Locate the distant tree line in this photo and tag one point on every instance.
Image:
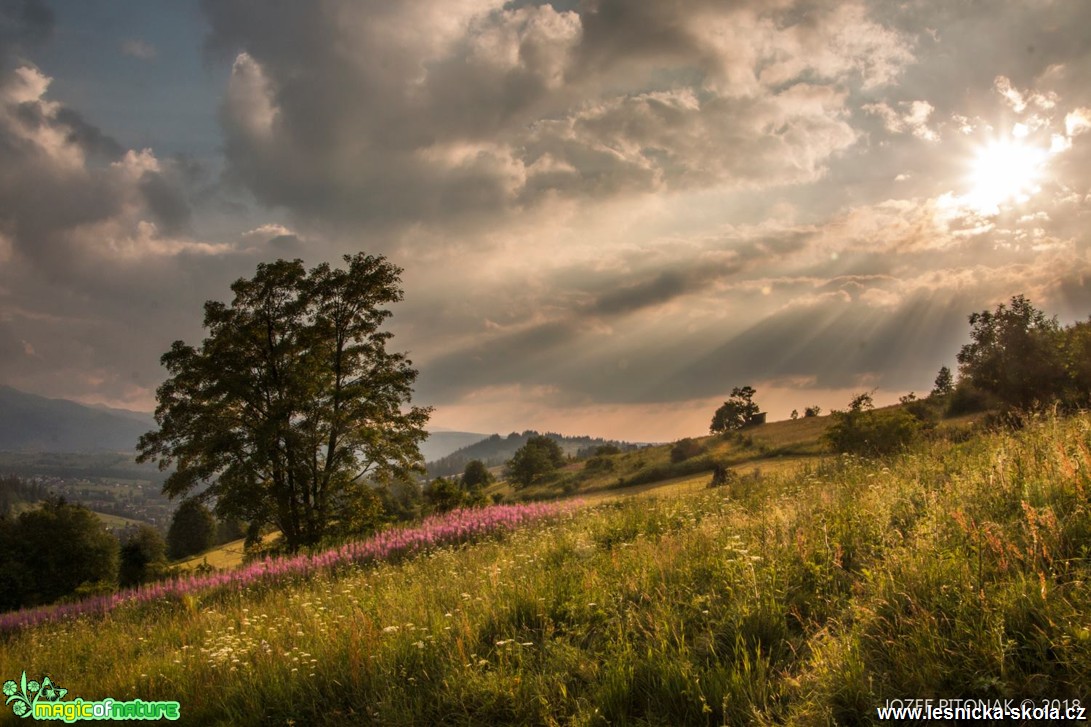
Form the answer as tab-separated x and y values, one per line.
497	450
15	492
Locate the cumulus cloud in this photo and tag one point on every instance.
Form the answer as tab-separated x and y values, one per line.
486	109
913	118
96	249
604	208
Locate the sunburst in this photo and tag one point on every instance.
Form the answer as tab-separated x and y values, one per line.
1004	172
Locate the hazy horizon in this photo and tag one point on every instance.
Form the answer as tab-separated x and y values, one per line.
608	213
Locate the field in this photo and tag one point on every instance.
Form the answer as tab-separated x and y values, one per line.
807	596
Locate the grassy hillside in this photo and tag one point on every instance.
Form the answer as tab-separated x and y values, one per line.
768	448
956	570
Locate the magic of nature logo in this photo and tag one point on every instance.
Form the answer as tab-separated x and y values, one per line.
45	700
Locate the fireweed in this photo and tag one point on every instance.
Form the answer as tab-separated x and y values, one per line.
457	526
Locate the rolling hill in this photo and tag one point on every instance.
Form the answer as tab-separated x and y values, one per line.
495	450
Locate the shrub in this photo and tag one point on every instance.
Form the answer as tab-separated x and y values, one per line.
685	449
872	433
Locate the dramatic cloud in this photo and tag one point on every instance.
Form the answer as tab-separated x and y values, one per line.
430	112
95	252
609	213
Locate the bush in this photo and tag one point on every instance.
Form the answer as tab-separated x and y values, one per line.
873	433
968	399
443	495
685	449
599	464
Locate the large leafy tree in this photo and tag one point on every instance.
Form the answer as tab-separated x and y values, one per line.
292	403
736	412
1015	353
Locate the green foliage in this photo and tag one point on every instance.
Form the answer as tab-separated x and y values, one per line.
538	457
736	412
600	464
402	501
52	551
1016	354
863	431
229	530
14	492
684	449
968	399
143	557
476	476
442	495
192	530
862	402
944	384
292	402
360	511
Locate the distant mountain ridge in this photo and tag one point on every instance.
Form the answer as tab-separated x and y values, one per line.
496	450
441	443
32	423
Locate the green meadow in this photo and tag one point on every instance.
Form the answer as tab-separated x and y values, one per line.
806	594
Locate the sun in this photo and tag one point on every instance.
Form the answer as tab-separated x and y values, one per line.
1004	171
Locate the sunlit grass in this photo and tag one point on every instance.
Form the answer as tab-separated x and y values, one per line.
808	596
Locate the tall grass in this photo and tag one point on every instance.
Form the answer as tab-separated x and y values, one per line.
956	570
453	527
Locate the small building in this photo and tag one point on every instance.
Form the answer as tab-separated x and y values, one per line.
755	420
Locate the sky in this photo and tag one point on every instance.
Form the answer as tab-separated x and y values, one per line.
608	213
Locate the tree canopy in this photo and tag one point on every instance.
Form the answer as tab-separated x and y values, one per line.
1015	353
143	557
292	402
736	412
476	476
53	551
192	530
945	382
539	456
